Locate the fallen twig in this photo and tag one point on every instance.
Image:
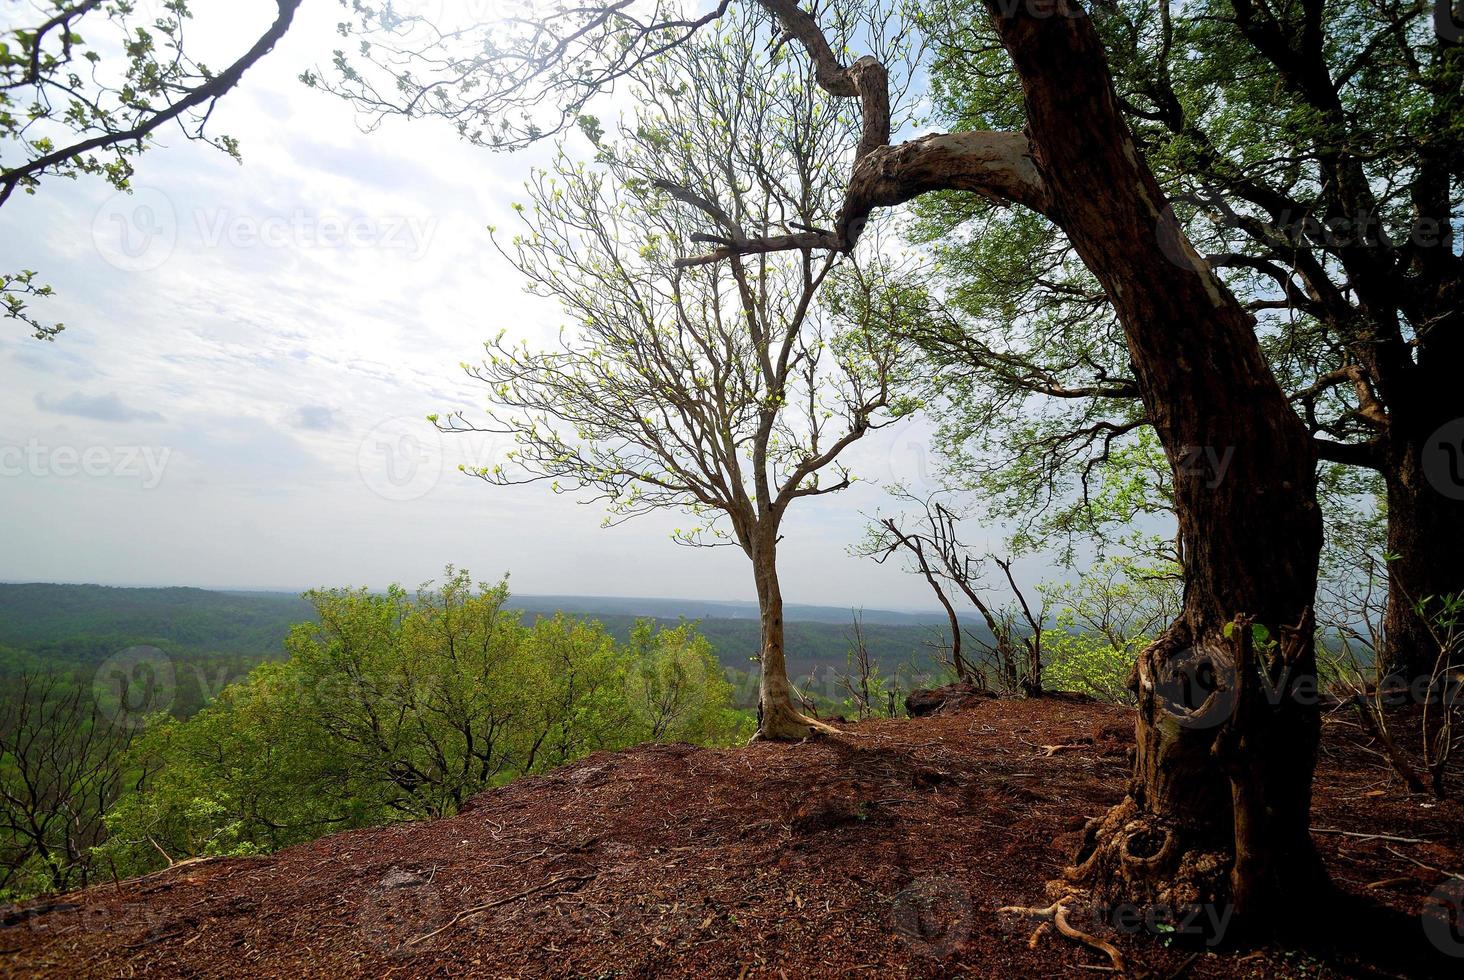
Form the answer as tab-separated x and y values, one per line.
1048	751
1391	882
465	913
1351	833
1426	867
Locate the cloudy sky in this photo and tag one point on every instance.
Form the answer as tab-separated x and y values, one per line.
238	400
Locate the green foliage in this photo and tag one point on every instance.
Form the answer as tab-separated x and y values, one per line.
676	689
15	291
1089	664
397	706
1102	623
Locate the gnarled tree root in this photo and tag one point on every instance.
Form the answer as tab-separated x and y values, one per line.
1056	913
1131	857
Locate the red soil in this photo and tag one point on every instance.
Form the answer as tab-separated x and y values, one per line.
885	853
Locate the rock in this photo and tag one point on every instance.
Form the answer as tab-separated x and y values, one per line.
952	697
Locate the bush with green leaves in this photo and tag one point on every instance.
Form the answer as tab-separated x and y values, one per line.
397	706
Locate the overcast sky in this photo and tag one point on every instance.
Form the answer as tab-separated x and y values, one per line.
238	400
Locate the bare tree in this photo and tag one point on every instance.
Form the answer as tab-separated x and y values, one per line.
861	680
62	765
932	542
727	391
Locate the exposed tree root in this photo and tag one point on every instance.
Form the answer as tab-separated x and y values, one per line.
785	724
1131	856
1056	913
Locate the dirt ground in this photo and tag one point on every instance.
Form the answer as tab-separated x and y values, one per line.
884	853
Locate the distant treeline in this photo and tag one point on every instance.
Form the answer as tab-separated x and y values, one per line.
86	624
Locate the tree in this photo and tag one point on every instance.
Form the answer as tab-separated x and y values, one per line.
724	390
1103	622
1308	149
1220	801
61	768
676	688
930	538
71	106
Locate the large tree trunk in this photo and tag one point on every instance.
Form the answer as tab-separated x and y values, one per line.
1425	481
778	717
1218	809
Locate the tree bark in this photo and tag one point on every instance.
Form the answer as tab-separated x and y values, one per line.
1425	484
1218	809
778	717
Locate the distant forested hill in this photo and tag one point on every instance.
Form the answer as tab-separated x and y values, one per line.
794	612
85	624
810	645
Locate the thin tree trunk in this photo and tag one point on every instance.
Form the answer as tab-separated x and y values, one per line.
778	717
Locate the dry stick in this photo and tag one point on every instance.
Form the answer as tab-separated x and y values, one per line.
497	902
1056	913
1351	833
1184	966
1390	882
1426	867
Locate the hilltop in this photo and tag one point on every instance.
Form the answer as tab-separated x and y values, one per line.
884	852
